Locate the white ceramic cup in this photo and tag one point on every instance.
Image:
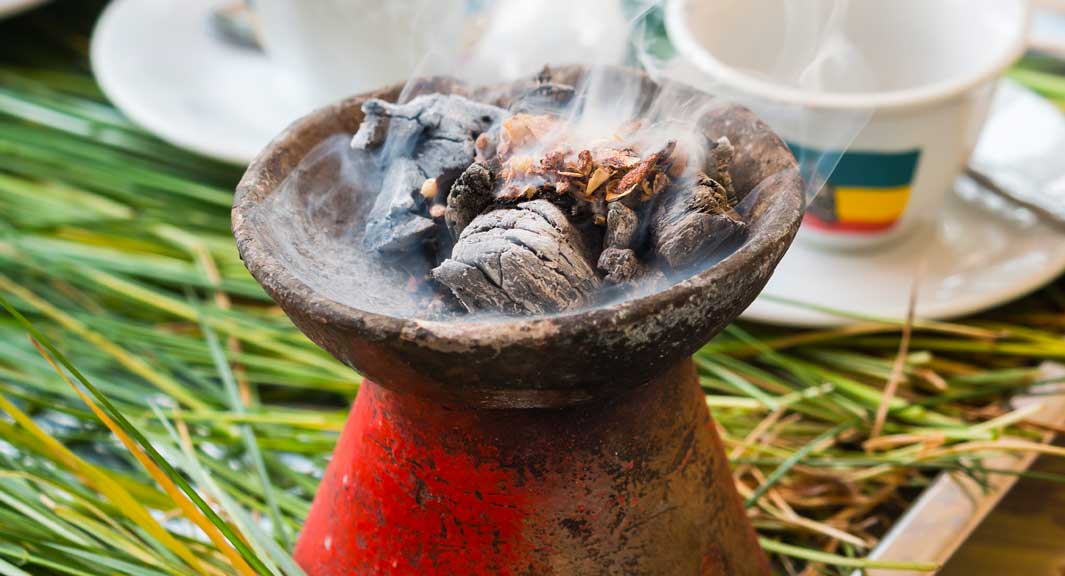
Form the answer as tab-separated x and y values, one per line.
331	49
895	91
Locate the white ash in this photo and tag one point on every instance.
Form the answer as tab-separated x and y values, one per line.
432	136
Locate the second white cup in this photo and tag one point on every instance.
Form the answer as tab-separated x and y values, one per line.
882	102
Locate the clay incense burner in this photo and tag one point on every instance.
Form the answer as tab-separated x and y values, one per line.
570	444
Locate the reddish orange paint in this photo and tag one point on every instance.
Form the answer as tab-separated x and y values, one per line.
408	492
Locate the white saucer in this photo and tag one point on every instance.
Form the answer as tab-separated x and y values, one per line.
982	253
163	65
975	260
12	7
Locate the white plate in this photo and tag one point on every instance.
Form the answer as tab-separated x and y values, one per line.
981	254
12	7
975	260
163	65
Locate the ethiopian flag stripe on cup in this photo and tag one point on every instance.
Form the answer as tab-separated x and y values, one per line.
863	192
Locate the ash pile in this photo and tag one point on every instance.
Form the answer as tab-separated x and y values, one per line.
520	214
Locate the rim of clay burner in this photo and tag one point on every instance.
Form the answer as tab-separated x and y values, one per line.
777	224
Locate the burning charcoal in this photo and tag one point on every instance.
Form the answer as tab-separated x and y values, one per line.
523	260
618	261
526	213
397	221
470	195
373	128
711	197
437	115
439	131
687	225
620	265
719	158
381	119
432	137
473	288
621	224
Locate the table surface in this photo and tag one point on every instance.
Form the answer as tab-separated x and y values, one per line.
1025	535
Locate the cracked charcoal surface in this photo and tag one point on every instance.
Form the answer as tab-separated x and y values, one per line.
689	224
396	222
473	191
523	260
718	159
444	117
438	132
620	265
621	226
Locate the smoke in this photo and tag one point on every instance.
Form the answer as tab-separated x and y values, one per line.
520	36
801	44
347	188
797	52
820	55
807	45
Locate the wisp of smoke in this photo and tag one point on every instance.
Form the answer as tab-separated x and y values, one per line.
513	44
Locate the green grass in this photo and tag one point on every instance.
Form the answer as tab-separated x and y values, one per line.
166	419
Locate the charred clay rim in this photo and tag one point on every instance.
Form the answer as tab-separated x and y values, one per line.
774	220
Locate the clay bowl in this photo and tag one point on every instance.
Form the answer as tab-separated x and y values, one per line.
542	362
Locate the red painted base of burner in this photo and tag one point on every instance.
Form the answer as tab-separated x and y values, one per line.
636	484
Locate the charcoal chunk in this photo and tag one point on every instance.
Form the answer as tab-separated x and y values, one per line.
688	224
437	130
621	226
527	259
470	195
431	136
473	288
397	221
619	265
718	159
